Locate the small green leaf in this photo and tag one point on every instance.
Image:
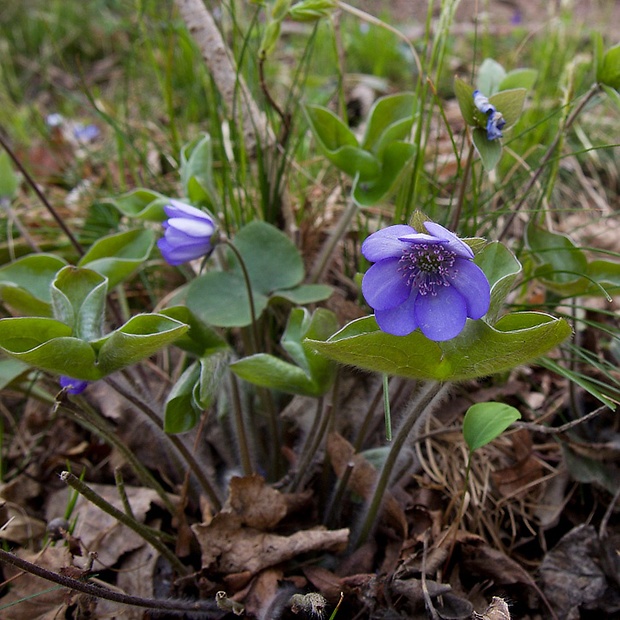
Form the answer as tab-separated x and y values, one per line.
213	370
136	340
390	119
196	171
304	294
11	369
490	76
144	204
519	78
9	179
465	96
78	300
484	422
117	256
490	151
510	104
312	10
180	411
608	72
199	339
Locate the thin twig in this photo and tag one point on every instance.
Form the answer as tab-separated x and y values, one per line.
558	430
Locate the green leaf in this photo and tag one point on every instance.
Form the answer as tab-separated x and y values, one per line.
304	294
213	370
490	151
25	283
396	157
519	78
199	339
510	104
312	10
144	204
608	72
465	96
479	350
490	76
11	369
47	344
180	411
78	300
118	256
501	268
136	340
220	298
607	274
196	171
484	422
561	262
390	119
9	179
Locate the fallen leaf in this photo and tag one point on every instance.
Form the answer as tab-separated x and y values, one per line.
255	503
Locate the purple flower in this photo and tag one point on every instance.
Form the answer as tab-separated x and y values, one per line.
495	120
73	386
187	235
423	280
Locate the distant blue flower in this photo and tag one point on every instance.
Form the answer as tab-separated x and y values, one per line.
425	281
86	133
495	120
188	233
73	386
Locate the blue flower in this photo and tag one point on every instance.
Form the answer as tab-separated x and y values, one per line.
73	386
427	281
188	233
495	120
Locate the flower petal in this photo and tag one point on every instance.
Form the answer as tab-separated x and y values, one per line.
179	254
73	386
191	228
441	316
459	247
399	321
469	280
383	285
385	243
176	208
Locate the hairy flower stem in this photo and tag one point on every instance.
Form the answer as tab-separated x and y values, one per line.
419	410
89	419
176	607
594	89
142	530
242	436
189	458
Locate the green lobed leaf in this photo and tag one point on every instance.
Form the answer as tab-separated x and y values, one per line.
519	78
390	119
479	350
117	256
196	171
608	71
200	339
465	96
490	151
180	411
213	370
304	294
490	76
395	156
25	283
484	422
510	104
11	369
47	344
78	299
220	298
141	203
136	340
501	268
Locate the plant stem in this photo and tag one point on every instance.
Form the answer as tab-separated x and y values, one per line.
547	156
420	408
242	436
104	593
140	529
462	189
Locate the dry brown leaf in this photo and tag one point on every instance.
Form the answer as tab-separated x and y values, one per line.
38	599
18	527
255	503
228	547
362	480
497	610
263	590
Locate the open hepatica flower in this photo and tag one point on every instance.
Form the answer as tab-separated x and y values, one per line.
73	386
423	280
188	233
495	120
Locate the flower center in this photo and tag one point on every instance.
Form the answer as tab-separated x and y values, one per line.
426	266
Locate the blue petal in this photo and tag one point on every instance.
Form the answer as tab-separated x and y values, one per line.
192	228
383	285
441	316
73	386
179	254
385	243
482	103
469	280
399	321
459	247
176	208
